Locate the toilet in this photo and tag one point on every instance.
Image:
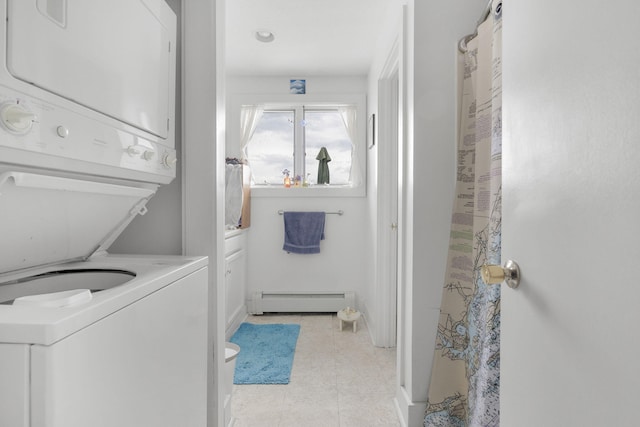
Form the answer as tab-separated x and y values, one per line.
231	351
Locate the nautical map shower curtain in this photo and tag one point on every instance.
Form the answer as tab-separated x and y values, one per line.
464	389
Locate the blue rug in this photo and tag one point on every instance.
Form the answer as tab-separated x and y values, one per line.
266	353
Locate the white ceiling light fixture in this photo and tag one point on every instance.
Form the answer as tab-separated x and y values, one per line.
264	36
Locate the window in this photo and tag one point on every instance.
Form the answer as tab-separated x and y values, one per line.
291	140
270	149
325	128
277	132
280	138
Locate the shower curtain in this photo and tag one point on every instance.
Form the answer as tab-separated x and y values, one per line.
464	388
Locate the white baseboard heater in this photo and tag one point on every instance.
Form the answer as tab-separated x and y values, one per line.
300	302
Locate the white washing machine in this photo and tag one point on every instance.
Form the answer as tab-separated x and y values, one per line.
87	338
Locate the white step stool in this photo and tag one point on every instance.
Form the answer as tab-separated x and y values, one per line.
349	315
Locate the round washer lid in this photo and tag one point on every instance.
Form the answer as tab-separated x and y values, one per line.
50	219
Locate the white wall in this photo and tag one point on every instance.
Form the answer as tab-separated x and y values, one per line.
381	317
203	177
344	262
432	31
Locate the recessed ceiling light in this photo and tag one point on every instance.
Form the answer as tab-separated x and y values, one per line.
264	36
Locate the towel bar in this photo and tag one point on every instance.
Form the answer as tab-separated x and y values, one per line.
340	212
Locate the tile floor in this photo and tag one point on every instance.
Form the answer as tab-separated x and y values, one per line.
338	379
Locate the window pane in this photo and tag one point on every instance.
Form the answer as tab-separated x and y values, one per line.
270	149
326	129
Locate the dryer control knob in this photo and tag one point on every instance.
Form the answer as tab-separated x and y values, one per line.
16	119
132	151
148	155
169	160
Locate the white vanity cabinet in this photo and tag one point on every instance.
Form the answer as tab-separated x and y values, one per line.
235	275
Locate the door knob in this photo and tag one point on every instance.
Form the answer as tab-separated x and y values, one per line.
494	274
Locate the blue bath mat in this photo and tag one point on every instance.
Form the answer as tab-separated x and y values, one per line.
266	353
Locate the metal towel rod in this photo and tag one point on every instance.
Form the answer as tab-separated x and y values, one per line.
340	212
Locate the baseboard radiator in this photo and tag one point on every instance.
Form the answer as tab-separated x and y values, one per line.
299	302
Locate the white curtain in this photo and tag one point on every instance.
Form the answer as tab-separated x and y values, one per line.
349	118
249	118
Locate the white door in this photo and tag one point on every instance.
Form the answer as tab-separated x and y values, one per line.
570	342
387	263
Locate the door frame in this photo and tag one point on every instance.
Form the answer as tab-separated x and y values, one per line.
388	198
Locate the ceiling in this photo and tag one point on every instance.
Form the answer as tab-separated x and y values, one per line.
312	37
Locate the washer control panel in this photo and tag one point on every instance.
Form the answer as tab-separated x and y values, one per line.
38	134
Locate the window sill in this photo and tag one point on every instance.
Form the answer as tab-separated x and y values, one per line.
313	191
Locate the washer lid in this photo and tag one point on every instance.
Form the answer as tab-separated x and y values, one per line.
49	219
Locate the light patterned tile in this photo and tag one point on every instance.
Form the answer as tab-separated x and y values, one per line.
339	379
275	391
312	371
257	421
368	408
353	358
263	410
351	385
310	406
311	398
359	420
309	418
253	402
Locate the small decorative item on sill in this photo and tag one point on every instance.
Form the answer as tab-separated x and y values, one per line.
298	181
305	183
287	180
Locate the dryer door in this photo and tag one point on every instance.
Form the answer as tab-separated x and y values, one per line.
116	57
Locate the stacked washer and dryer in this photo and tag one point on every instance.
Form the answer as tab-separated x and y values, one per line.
87	338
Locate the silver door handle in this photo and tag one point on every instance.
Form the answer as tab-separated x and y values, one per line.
494	274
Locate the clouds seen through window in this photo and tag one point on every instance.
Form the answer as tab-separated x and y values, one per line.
271	148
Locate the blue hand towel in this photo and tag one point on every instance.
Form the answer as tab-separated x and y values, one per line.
303	232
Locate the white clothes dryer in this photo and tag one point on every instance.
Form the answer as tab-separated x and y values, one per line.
87	92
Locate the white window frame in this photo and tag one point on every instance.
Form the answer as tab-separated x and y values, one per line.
312	102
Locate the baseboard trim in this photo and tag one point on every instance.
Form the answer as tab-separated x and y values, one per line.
411	414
